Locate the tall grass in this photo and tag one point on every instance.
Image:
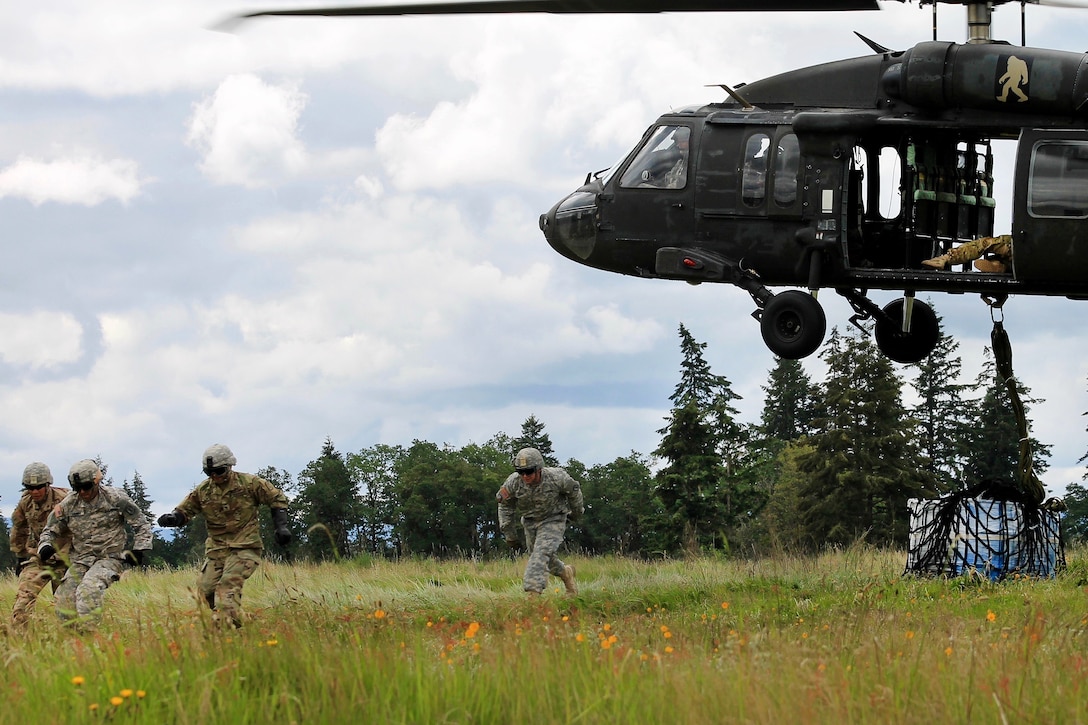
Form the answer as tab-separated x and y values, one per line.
841	638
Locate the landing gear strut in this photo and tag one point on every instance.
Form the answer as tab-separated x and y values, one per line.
906	329
793	323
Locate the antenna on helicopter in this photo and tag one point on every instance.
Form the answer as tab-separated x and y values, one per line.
734	95
877	47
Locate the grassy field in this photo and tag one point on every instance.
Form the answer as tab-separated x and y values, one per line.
841	638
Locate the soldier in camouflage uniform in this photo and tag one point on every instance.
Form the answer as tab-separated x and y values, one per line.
545	497
27	521
94	516
1000	248
230	501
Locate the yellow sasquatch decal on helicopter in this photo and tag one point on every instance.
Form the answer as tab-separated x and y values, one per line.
1016	75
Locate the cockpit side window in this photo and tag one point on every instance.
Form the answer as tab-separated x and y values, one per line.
754	175
1058	184
662	162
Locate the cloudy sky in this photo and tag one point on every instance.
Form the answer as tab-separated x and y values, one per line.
317	228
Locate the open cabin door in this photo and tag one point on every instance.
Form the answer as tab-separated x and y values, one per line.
1050	211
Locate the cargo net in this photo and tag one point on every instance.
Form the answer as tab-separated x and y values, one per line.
990	530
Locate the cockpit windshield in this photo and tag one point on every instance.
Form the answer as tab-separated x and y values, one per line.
605	175
662	162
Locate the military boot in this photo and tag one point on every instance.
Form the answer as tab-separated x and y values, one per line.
993	266
568	579
937	262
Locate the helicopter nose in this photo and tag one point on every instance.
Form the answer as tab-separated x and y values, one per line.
571	225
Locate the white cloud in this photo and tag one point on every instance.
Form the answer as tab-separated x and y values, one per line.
382	277
85	180
247	132
39	340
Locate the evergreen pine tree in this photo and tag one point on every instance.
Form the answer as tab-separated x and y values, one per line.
865	463
690	486
533	436
992	441
327	504
707	477
790	407
942	412
1075	519
137	491
7	557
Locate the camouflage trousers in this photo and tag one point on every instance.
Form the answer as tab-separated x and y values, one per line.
79	596
32	579
221	582
544	539
998	246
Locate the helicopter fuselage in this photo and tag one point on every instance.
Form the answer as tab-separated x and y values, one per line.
849	175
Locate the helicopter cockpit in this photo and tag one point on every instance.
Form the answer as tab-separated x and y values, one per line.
662	161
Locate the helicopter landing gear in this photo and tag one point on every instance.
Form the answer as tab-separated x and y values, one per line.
907	331
793	324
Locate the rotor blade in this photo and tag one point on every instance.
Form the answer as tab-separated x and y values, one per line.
576	6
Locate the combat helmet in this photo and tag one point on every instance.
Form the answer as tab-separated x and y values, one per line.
37	474
83	473
217	456
528	459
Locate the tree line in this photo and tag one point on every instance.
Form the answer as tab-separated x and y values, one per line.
828	463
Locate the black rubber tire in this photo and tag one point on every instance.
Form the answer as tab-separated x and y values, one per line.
907	347
793	324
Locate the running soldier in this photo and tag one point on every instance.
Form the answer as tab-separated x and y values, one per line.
230	501
27	522
93	516
545	497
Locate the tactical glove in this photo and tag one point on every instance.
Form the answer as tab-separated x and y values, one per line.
46	552
283	531
20	564
136	558
173	519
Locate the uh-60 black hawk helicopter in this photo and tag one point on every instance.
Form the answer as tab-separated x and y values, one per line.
777	186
